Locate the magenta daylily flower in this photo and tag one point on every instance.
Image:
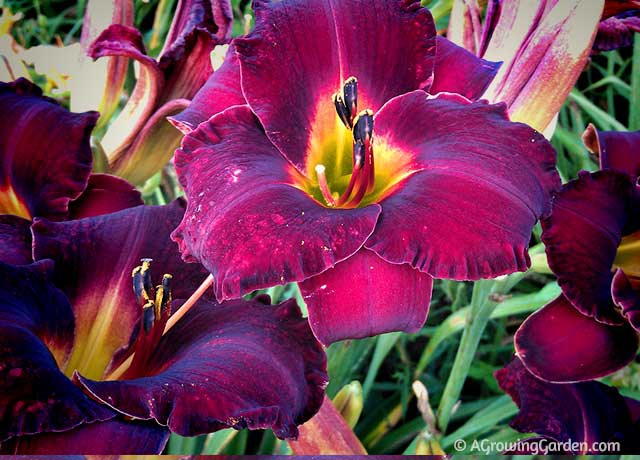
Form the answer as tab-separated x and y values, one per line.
319	153
71	321
591	242
581	416
140	141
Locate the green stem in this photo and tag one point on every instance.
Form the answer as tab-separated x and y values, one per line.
482	306
160	23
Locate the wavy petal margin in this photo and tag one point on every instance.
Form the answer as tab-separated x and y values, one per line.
480	184
365	296
239	364
45	157
581	414
246	222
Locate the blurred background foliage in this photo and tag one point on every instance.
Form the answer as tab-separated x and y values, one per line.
374	378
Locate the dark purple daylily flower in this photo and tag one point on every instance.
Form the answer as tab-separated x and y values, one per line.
620	20
45	168
579	417
617	31
70	322
591	241
45	160
329	164
140	141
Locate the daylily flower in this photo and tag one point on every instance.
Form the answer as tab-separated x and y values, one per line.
45	160
140	141
45	166
329	164
544	46
591	242
620	20
91	365
579	417
617	31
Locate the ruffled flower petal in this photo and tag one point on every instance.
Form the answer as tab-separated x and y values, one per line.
239	364
36	334
617	31
388	46
365	296
581	414
590	216
45	154
246	222
560	344
478	186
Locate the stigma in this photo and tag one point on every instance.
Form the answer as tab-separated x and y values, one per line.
362	179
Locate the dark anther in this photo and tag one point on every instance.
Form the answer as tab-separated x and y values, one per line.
146	275
363	128
138	284
165	304
341	109
347	102
148	317
350	97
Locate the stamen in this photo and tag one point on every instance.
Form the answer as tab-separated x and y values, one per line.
324	185
148	317
146	275
363	127
138	286
347	102
154	325
165	305
350	97
341	108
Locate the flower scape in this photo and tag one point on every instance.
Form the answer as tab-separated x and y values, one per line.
316	227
